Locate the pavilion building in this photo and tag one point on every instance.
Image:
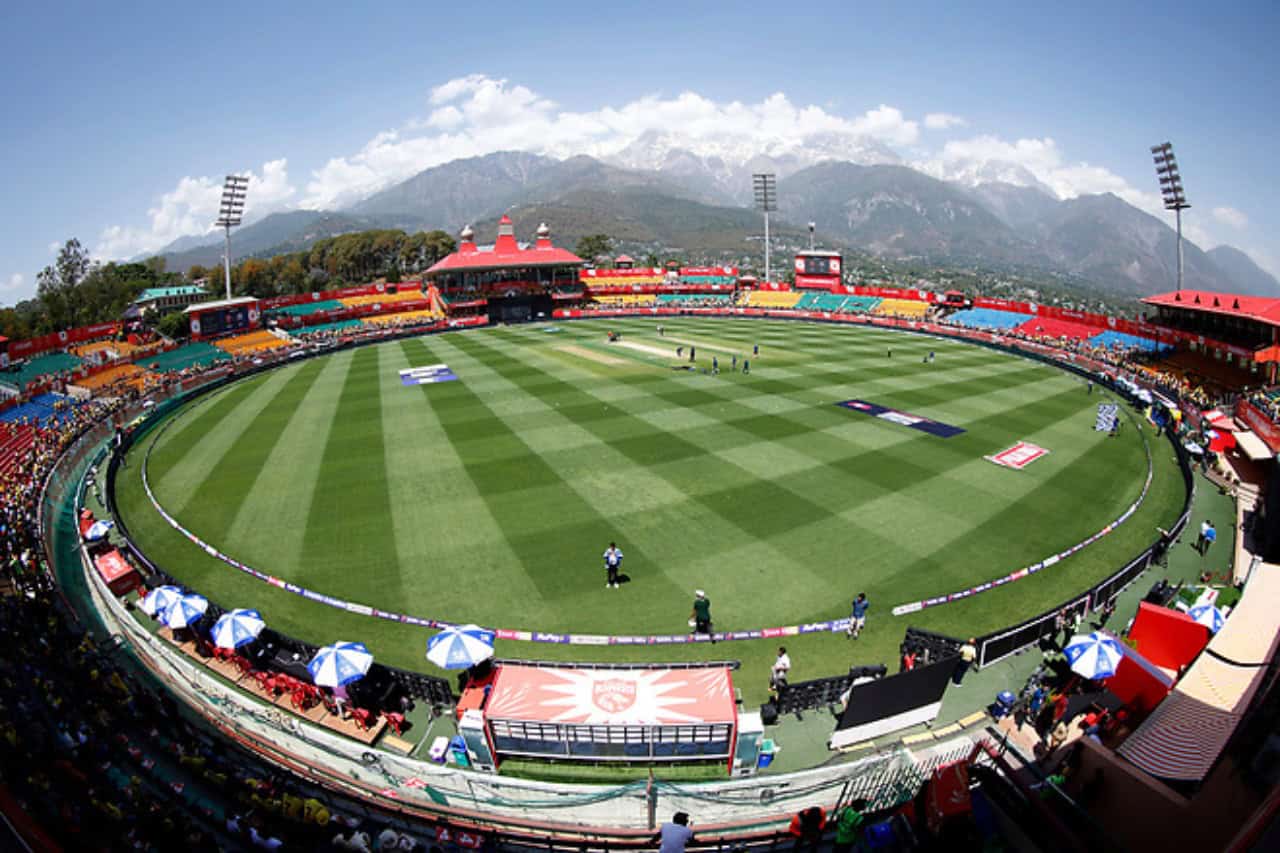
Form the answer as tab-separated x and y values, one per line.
513	283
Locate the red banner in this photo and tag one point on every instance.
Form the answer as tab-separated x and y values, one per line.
1259	424
60	340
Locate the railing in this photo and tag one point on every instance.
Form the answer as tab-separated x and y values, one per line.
423	790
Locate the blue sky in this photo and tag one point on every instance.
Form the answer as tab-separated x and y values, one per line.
117	121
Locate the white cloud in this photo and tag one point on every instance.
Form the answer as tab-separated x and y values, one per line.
54	247
476	115
191	207
1230	217
942	121
13	282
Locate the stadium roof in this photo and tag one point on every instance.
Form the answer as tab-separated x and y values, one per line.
162	292
1259	308
506	252
201	307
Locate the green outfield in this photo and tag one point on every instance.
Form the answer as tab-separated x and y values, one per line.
490	499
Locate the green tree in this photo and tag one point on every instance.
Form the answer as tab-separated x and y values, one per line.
174	325
594	247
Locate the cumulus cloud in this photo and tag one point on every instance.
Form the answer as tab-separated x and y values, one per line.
943	121
191	207
476	115
1230	217
13	282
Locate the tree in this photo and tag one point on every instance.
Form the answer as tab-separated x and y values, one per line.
652	260
197	272
56	285
174	325
593	247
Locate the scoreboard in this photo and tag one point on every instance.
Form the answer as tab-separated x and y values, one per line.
210	319
818	270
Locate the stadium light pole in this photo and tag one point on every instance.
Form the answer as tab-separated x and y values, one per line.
229	213
812	226
1171	190
766	193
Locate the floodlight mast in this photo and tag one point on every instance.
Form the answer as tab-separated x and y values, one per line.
1171	191
230	212
766	195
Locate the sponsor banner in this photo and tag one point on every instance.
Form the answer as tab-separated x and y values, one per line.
1259	424
428	375
1018	456
903	418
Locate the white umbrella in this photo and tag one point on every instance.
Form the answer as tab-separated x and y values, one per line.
234	629
339	664
98	530
160	599
1208	616
1094	656
1193	448
460	647
185	610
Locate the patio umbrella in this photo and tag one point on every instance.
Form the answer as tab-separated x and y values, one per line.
1208	616
234	629
1193	448
186	610
98	530
1144	395
1094	656
160	599
460	646
339	664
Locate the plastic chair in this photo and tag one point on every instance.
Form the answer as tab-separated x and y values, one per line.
395	721
363	718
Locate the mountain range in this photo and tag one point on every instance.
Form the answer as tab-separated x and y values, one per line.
659	196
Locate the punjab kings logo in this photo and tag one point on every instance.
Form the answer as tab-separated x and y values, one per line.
613	695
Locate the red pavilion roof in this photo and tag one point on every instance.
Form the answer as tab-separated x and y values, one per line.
506	252
1263	309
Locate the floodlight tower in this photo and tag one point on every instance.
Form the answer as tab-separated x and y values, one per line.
229	214
766	193
1171	190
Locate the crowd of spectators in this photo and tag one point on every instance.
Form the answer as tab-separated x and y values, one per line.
96	761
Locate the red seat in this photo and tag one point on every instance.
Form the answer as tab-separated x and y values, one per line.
395	721
363	717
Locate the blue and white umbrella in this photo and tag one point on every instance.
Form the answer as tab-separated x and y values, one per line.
185	611
460	646
234	629
160	600
1094	656
98	530
1208	616
339	664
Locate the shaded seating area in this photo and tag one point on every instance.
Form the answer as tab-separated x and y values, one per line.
403	318
247	344
408	295
1049	327
40	367
303	309
126	375
1126	341
45	411
772	299
184	358
909	308
988	318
